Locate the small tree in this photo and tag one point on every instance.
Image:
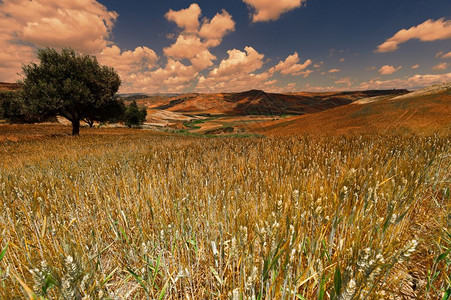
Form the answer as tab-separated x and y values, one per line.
11	108
134	115
70	85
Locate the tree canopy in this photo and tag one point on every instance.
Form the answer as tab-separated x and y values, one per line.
74	86
135	115
10	107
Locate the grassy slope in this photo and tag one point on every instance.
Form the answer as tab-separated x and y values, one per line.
257	102
417	114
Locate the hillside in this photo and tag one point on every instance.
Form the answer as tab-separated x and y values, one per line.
257	102
255	111
5	86
423	111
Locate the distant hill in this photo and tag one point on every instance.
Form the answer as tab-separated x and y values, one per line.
258	102
424	111
133	96
5	86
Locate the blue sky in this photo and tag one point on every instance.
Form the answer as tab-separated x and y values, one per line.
290	45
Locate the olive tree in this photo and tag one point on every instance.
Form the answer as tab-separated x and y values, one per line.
74	86
135	116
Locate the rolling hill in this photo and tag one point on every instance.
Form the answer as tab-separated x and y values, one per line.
423	111
6	86
255	111
257	102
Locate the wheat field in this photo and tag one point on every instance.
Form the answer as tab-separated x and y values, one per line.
160	216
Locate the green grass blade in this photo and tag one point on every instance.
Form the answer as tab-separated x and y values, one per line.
337	281
138	278
2	254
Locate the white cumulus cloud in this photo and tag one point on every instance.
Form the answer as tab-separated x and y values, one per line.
84	25
271	10
440	67
447	55
237	72
291	66
430	30
215	29
188	18
141	59
416	81
347	81
388	69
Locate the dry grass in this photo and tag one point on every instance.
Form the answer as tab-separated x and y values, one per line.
157	216
408	114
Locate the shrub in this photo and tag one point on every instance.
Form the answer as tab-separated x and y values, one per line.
135	116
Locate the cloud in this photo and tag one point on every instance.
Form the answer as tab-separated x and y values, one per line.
416	81
342	59
334	71
188	18
196	44
242	70
84	25
12	53
186	46
141	59
271	82
443	55
413	82
236	72
291	66
306	73
440	67
186	57
447	55
239	62
428	79
387	70
344	81
191	47
415	67
203	60
175	72
271	10
213	31
243	82
174	77
428	31
190	54
291	87
310	88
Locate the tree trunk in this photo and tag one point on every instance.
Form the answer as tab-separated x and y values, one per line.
89	122
76	127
